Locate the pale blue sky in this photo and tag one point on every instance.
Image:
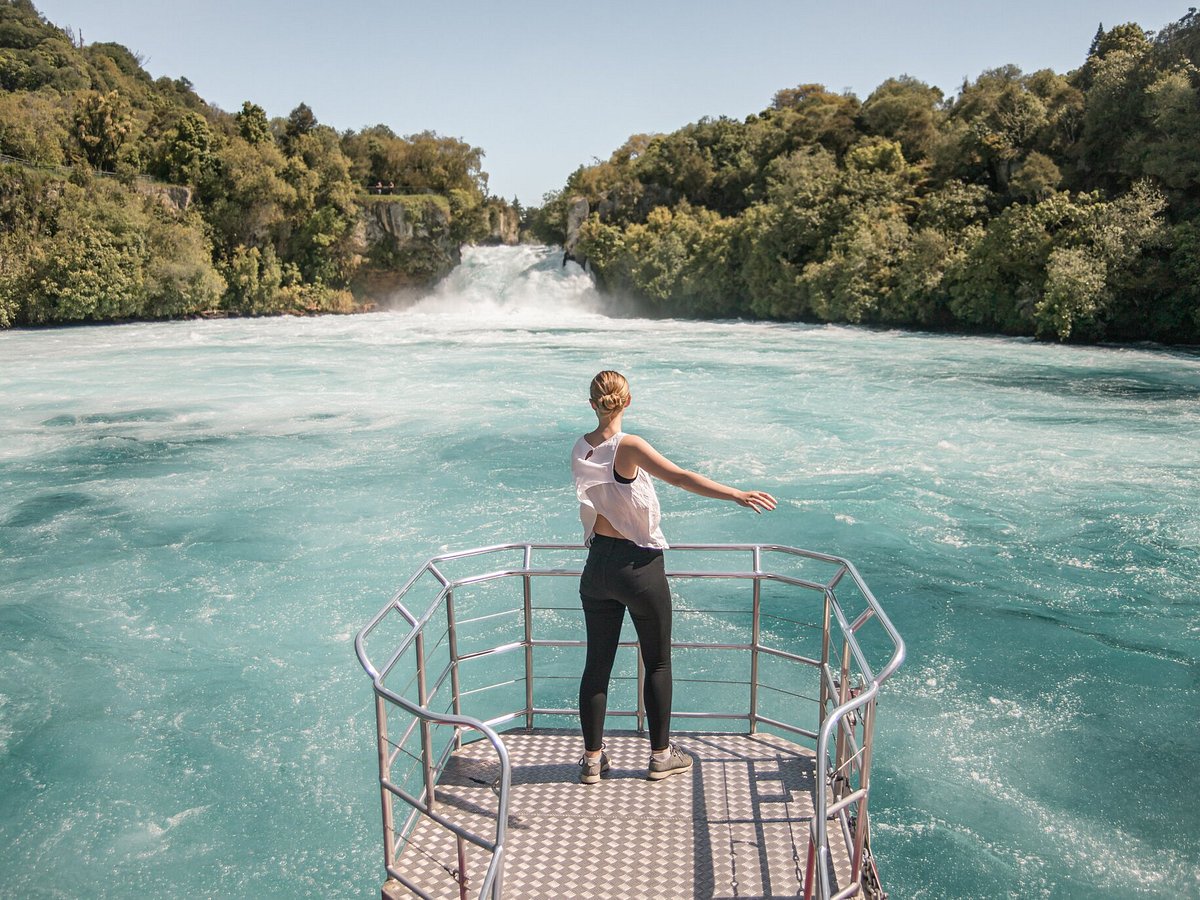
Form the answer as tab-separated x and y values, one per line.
543	87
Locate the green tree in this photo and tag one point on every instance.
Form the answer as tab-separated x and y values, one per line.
548	222
300	121
803	186
677	165
252	207
468	216
1004	121
14	265
1002	278
905	110
86	272
1115	79
255	281
102	123
1180	41
1036	178
252	123
179	276
1075	282
876	174
32	127
189	151
320	238
1064	105
769	264
1171	140
793	227
34	54
955	206
1176	316
922	271
809	114
854	283
440	164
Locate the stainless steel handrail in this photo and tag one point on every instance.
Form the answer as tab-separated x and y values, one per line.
849	689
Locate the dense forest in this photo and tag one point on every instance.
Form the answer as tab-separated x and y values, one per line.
125	197
1061	206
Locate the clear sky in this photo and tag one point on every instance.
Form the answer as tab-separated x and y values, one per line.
543	87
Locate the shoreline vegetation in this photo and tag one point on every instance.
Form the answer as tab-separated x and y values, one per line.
1060	207
128	198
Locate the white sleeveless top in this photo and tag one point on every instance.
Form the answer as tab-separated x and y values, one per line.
631	508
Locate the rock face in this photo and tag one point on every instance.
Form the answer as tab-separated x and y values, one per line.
407	245
504	226
577	213
173	196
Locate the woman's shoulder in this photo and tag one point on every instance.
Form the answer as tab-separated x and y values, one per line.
585	448
593	441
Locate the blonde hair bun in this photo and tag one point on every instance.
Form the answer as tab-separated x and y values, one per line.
610	391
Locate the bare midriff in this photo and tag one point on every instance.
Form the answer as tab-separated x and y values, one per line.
605	527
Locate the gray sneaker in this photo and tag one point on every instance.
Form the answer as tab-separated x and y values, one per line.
589	773
674	764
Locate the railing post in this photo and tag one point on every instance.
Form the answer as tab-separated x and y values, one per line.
810	866
823	673
385	796
862	825
426	736
641	689
755	639
528	654
528	607
452	645
462	867
841	747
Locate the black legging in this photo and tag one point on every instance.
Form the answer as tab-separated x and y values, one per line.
620	575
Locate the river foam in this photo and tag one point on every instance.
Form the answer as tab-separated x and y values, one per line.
195	517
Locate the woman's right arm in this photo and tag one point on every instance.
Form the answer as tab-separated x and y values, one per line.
636	451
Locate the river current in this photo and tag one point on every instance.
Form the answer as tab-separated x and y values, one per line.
196	517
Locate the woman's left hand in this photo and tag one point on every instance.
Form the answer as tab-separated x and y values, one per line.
755	500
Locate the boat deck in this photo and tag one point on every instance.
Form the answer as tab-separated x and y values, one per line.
736	826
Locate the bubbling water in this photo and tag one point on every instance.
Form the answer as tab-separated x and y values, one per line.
195	518
510	284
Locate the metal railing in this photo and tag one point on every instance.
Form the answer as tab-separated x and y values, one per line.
495	639
66	171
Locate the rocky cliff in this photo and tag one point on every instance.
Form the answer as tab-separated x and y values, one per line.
577	213
407	245
504	225
175	197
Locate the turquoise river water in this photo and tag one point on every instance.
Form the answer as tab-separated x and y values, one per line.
196	517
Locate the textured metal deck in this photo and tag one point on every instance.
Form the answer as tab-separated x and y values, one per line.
735	826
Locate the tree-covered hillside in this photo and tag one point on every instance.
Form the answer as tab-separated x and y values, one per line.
1062	206
122	196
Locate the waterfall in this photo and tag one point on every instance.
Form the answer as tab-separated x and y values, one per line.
522	282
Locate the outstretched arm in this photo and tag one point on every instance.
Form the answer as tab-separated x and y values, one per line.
636	451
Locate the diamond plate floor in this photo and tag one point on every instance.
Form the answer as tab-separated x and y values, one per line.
736	826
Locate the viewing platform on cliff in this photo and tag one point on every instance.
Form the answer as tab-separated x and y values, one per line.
475	665
412	201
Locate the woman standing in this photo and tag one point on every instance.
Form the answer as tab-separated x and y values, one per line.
624	570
